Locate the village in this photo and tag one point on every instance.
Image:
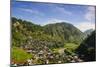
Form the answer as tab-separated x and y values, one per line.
42	54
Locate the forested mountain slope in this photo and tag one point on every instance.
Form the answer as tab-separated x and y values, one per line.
87	49
51	43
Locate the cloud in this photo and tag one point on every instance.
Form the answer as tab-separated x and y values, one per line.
89	22
62	10
83	26
90	15
58	9
28	10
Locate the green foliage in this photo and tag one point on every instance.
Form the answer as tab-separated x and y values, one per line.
71	46
68	48
60	40
68	52
65	32
87	48
59	32
19	55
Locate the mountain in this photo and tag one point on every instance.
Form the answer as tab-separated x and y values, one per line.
60	32
88	32
55	42
87	49
65	32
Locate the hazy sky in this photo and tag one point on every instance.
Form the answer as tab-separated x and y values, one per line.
83	17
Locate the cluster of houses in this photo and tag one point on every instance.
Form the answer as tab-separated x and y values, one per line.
49	57
43	53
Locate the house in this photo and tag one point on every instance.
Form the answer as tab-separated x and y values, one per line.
40	54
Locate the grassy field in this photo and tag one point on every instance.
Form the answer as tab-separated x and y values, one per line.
19	55
68	46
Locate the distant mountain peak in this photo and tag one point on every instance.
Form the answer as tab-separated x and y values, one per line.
89	31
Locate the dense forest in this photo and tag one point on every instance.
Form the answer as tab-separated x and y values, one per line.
62	42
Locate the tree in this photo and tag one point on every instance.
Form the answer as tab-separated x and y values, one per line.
87	49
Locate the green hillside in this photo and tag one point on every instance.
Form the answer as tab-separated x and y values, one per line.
88	48
64	31
52	43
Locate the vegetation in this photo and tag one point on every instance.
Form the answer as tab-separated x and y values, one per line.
19	55
49	44
87	49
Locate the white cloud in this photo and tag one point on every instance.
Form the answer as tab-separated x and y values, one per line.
62	10
90	15
89	23
83	26
58	9
36	12
29	10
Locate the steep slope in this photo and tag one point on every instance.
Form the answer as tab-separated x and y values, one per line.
55	42
22	31
64	31
26	33
86	50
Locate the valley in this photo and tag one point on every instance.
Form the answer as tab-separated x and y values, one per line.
34	44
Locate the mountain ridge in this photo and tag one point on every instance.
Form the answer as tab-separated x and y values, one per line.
63	31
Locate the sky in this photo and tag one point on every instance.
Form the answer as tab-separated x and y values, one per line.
81	16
